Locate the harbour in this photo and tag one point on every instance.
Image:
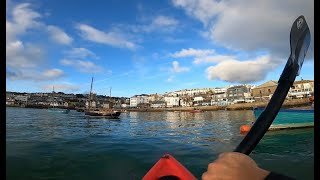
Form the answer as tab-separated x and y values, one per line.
190	83
43	145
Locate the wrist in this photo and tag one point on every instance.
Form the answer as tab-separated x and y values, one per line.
262	174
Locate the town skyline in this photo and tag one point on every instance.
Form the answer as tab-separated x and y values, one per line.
149	46
167	92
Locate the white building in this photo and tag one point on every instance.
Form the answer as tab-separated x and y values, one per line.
22	98
133	101
195	91
198	100
185	103
300	89
158	104
218	97
172	101
136	100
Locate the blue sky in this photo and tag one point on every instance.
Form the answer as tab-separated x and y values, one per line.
142	46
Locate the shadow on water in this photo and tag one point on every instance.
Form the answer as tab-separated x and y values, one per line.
67	146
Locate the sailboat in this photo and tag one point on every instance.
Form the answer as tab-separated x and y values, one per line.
56	109
108	113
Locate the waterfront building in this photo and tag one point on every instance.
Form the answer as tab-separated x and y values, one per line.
264	91
158	104
186	101
197	100
172	101
218	97
300	89
21	98
133	101
236	94
194	91
138	99
154	97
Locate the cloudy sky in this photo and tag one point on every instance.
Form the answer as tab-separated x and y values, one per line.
143	46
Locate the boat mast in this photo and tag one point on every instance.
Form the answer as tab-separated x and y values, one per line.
53	101
110	99
90	93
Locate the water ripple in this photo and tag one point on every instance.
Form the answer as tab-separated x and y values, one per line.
45	145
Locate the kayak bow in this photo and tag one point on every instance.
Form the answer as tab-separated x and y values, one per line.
168	168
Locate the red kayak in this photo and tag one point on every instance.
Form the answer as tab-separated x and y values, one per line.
168	168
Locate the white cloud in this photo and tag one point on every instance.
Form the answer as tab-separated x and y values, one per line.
212	59
111	38
161	23
170	79
23	18
19	55
59	36
203	10
176	68
192	52
47	75
52	73
236	71
80	53
158	23
61	87
250	25
25	60
83	66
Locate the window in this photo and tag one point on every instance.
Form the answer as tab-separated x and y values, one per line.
269	90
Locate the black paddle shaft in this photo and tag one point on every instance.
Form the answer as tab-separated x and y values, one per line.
299	44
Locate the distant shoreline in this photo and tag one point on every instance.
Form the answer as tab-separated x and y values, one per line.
241	106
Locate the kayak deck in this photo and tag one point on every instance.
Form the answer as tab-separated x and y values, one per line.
168	168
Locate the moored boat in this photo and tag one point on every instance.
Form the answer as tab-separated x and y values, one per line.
290	118
102	113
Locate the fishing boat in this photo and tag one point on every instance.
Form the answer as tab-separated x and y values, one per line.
103	113
108	113
290	118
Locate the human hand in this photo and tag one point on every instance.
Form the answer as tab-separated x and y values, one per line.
234	166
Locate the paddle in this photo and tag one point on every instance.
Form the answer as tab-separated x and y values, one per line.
299	44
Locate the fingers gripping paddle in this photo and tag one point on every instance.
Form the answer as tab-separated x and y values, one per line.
299	44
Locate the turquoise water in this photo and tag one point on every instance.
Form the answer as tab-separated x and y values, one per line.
45	145
291	116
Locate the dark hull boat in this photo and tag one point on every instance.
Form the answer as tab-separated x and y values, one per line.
108	114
